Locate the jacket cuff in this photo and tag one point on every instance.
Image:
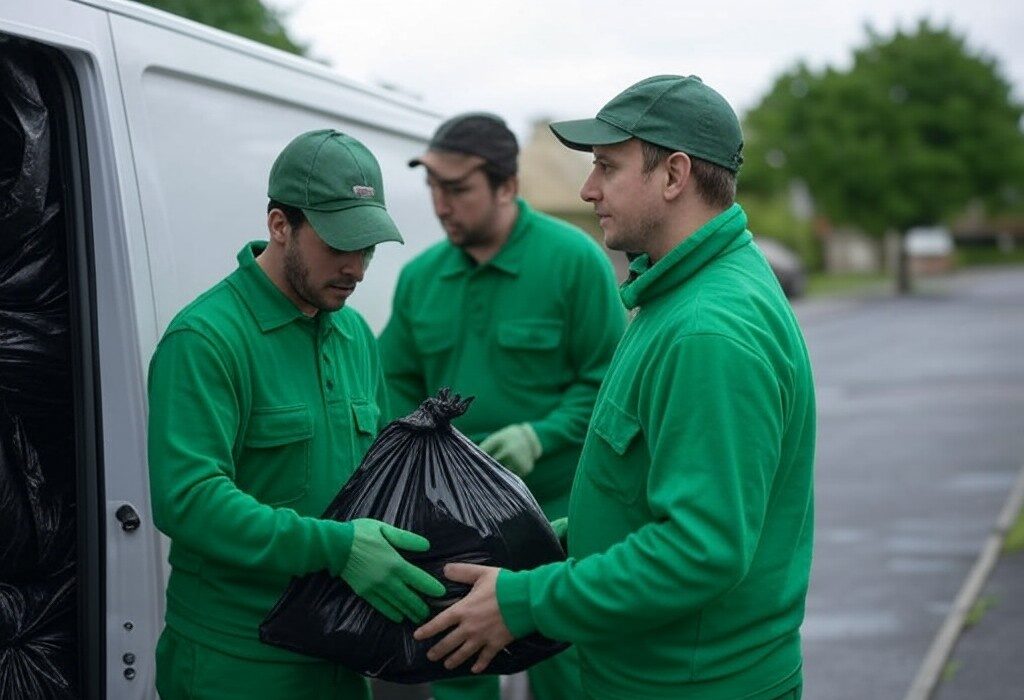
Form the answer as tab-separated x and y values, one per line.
335	545
548	436
513	592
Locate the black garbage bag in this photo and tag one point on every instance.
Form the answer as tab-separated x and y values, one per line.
422	475
38	651
35	344
38	605
36	520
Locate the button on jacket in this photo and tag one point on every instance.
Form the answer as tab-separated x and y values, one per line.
258	416
690	521
529	333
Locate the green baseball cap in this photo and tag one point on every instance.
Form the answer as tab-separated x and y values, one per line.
336	182
670	111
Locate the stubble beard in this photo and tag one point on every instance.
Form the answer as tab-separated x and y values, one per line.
296	272
473	238
634	236
479	236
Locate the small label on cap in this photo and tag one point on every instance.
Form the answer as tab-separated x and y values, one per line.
363	191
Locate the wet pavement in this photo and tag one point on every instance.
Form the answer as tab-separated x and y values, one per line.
987	662
921	436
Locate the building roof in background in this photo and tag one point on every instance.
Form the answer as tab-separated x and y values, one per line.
550	175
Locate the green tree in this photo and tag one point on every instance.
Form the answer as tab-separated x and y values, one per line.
248	18
918	126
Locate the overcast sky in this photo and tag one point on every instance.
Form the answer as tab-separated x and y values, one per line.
528	59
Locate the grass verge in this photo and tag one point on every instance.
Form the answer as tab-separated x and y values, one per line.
1014	541
981	606
823	284
971	257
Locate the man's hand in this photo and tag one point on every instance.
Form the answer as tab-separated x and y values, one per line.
516	447
475	621
381	577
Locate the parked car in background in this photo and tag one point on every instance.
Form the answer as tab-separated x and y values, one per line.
786	265
930	249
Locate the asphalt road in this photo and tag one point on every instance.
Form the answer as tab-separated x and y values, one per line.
920	437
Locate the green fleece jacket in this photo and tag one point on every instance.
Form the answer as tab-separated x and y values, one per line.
258	415
530	334
691	516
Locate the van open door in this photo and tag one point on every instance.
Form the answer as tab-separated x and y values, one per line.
75	299
51	553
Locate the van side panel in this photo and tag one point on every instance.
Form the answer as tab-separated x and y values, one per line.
207	122
180	125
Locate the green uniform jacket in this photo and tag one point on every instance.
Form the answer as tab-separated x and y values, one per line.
529	333
257	416
690	521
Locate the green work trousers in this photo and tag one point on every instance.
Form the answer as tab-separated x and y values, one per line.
189	671
794	694
557	678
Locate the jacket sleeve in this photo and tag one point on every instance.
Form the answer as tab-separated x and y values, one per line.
596	320
403	375
194	418
712	417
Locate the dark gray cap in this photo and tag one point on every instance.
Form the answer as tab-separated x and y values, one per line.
477	134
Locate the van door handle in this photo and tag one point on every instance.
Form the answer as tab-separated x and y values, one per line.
128	517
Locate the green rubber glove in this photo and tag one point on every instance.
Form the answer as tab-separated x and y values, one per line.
516	447
561	528
380	576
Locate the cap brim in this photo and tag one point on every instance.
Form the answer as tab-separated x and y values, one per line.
584	134
354	228
449	165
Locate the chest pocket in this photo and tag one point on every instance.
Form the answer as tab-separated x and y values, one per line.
274	464
621	472
367	416
433	337
354	424
530	352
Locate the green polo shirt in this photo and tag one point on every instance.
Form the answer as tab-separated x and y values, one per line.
257	417
690	522
529	333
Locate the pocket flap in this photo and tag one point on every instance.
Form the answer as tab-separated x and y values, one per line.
432	336
530	335
272	427
615	426
367	415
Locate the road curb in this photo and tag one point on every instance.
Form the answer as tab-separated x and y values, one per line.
935	660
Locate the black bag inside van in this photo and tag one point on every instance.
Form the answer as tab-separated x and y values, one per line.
38	581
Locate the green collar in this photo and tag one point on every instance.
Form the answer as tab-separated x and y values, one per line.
269	307
509	259
647	282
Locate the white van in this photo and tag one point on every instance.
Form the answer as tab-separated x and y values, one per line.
163	135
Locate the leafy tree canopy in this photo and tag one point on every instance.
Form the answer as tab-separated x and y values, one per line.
914	129
248	18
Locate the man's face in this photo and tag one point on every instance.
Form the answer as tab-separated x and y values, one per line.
321	276
626	200
463	200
